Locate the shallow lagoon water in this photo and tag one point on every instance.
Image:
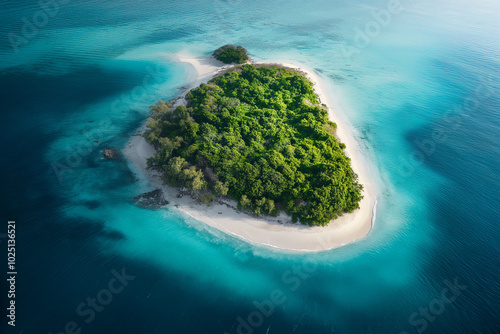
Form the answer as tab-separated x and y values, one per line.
92	70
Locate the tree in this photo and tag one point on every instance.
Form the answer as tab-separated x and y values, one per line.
231	54
173	171
193	179
161	110
244	203
220	188
269	208
259	208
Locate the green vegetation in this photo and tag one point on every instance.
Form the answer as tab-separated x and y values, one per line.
258	135
230	54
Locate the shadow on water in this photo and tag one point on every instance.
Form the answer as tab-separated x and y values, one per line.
466	211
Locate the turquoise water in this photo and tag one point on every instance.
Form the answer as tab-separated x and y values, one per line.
421	92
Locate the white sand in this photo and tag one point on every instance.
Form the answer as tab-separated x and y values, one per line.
276	232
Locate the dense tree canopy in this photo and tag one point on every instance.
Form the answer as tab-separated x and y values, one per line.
259	136
230	54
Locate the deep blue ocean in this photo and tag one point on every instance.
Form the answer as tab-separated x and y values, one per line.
418	80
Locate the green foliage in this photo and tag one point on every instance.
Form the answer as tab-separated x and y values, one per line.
177	172
259	136
206	197
244	203
220	188
230	54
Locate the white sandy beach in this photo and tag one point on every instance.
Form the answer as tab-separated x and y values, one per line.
276	232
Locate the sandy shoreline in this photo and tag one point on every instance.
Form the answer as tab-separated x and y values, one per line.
277	232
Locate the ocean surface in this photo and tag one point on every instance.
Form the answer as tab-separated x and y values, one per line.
418	81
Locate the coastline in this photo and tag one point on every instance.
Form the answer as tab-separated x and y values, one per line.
276	232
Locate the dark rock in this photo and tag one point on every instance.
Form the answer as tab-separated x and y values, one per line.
151	200
110	153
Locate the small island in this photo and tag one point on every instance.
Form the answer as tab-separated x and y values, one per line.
230	54
252	150
258	135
